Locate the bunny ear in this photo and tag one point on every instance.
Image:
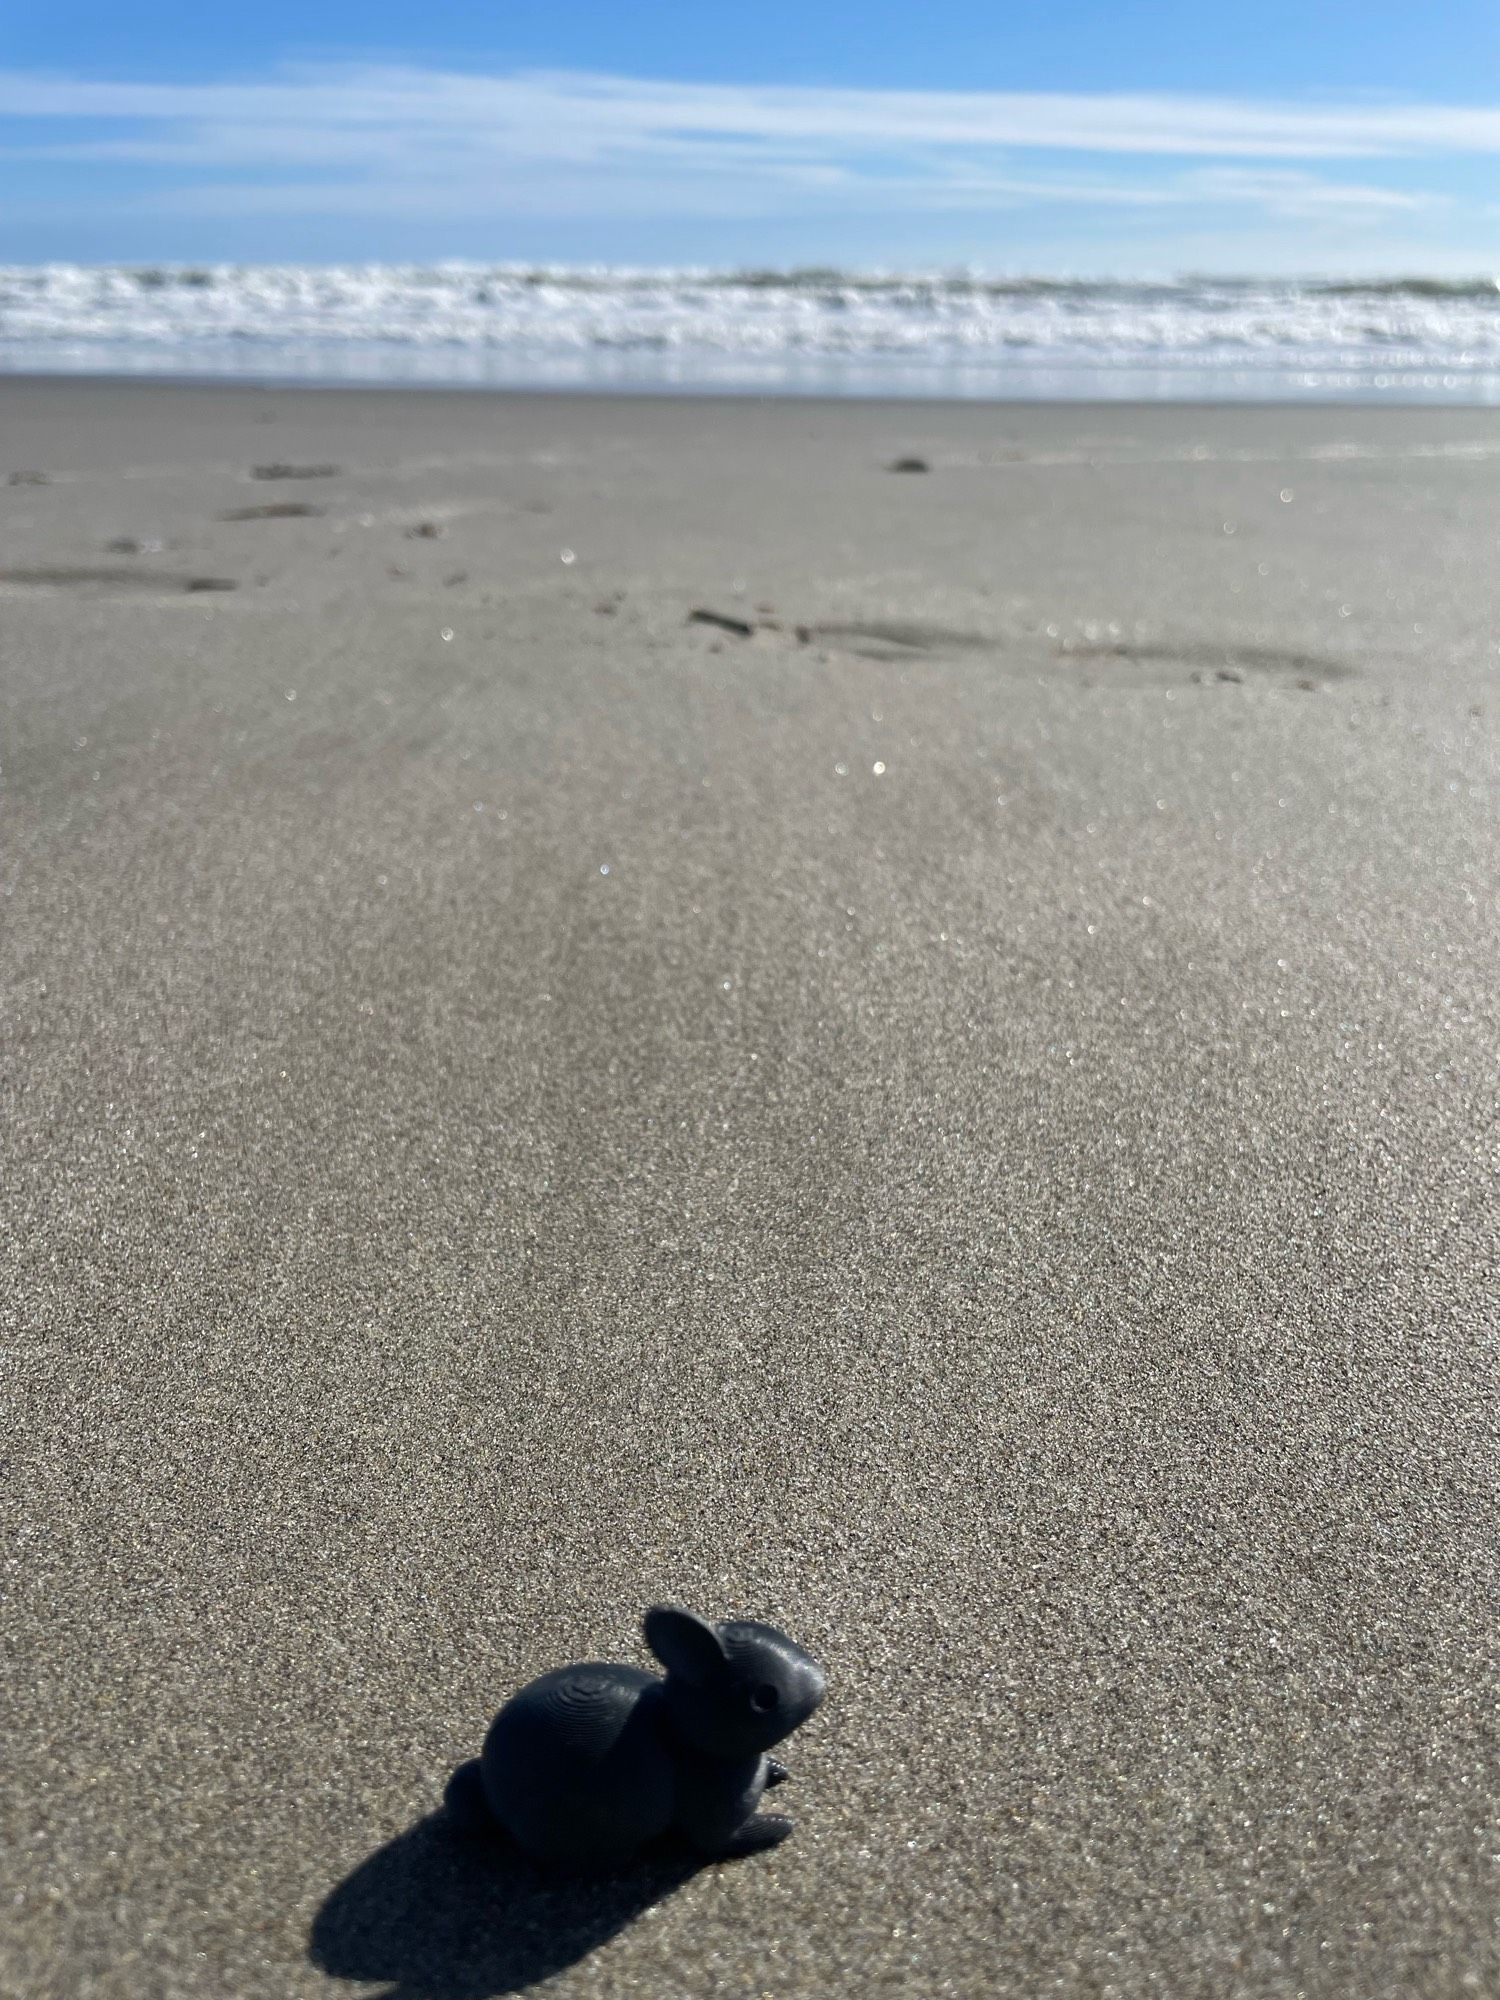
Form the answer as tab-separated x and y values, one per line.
685	1643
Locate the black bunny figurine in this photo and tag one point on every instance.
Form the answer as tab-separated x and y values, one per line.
588	1764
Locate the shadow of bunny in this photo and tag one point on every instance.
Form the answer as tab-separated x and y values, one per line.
442	1915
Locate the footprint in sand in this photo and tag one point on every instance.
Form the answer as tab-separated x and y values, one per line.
116	579
880	639
914	639
273	510
1217	661
281	471
896	639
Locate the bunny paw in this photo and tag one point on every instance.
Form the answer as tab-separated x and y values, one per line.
467	1807
760	1831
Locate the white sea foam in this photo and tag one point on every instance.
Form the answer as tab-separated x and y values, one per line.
953	334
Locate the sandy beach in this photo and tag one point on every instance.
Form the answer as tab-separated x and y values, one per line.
954	1111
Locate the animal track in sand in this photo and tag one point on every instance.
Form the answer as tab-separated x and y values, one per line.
877	639
126	579
273	510
914	639
280	471
897	639
1226	662
740	627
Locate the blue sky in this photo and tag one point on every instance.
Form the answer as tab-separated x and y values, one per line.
1070	137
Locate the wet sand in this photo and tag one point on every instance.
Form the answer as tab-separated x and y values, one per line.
959	1118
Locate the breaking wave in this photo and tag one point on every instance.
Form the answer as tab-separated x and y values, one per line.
957	333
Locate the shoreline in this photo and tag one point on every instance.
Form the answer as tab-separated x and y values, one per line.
1073	386
1032	410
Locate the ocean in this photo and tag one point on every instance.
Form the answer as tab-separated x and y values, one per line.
760	332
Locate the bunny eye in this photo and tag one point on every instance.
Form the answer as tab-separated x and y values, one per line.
764	1698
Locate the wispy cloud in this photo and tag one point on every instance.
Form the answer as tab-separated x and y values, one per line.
372	140
573	112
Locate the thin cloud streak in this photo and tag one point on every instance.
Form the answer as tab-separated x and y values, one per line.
584	114
809	191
